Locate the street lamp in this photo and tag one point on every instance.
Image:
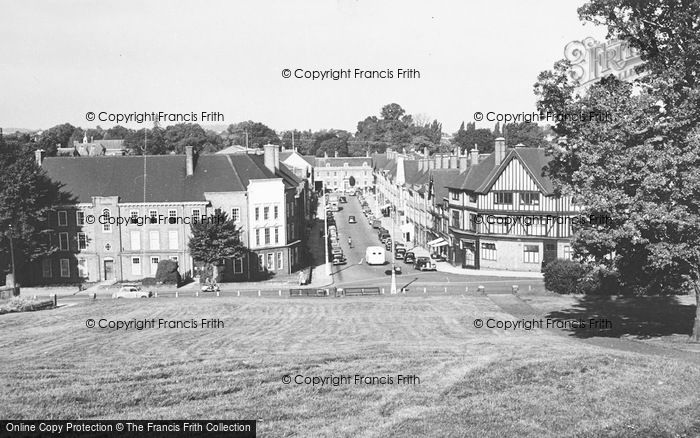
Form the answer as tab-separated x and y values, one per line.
12	259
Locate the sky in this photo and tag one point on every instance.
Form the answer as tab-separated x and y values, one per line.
60	60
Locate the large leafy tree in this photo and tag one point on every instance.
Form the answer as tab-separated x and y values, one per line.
396	129
55	137
467	136
642	166
26	197
258	134
214	241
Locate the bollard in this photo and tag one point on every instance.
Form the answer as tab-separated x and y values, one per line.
54	298
466	289
529	288
424	290
217	293
155	294
280	292
34	298
239	293
94	295
481	290
445	289
382	291
196	293
515	288
258	292
175	294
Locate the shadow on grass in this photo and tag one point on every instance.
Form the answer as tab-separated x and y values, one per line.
643	317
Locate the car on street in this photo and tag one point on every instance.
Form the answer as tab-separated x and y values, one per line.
387	244
384	236
409	257
352	220
337	251
376	224
132	292
400	252
343	200
339	260
397	270
424	264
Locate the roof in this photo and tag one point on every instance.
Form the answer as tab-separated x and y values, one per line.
341	161
480	178
235	149
166	179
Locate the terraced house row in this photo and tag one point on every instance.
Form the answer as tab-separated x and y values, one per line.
263	196
480	211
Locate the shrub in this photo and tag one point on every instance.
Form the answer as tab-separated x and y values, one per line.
600	281
563	276
149	281
167	272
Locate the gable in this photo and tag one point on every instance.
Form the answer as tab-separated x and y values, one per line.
515	177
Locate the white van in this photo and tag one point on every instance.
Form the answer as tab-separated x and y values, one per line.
375	255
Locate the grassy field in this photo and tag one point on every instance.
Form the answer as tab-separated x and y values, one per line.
473	382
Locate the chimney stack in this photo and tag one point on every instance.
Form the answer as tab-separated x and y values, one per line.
474	156
500	151
189	160
271	157
39	156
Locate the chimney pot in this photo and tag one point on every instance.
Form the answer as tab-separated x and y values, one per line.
189	160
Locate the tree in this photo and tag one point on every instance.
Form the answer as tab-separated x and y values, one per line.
258	134
117	133
55	137
26	197
393	111
396	129
528	134
176	137
216	240
640	167
351	181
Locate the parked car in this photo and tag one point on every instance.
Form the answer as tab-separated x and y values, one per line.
438	257
352	220
343	200
339	260
409	257
337	251
424	264
132	292
382	230
387	244
376	224
400	253
384	236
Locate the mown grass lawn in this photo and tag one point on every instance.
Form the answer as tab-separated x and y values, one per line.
473	382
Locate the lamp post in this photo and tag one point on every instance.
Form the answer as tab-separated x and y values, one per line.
12	259
393	253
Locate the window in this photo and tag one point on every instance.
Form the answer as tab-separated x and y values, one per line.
62	219
455	196
292	232
503	198
63	241
266	213
270	261
257	236
456	219
261	261
174	258
136	266
472	198
134	215
277	234
488	251
530	198
531	254
550	247
196	214
82	241
235	214
154	265
267	236
172	239
257	213
153	240
279	260
46	268
277	212
65	268
82	268
80	217
135	239
568	253
172	216
106	227
153	214
238	265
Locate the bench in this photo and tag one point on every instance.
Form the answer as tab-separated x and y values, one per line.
308	292
352	291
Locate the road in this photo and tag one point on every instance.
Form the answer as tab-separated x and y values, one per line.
358	273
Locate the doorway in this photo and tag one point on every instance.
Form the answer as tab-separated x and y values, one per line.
109	269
